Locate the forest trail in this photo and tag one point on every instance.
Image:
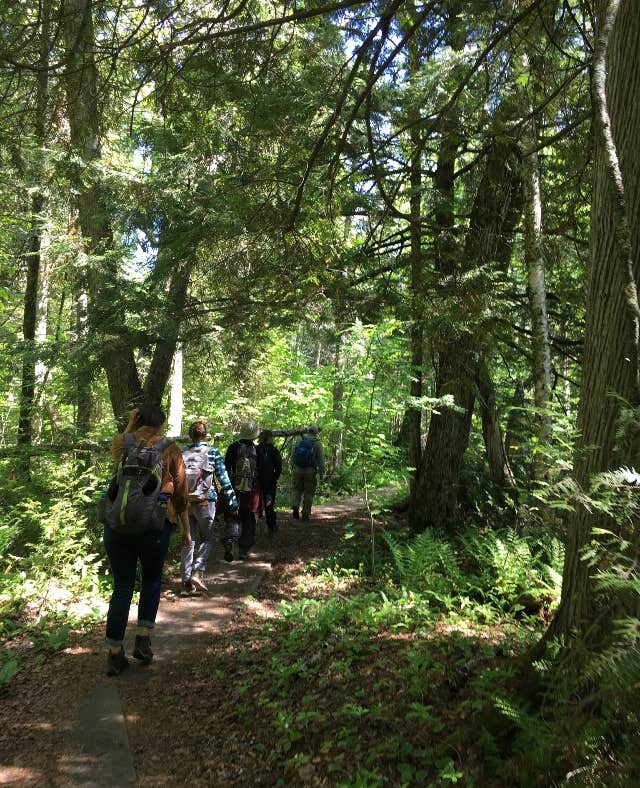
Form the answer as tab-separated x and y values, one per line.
71	725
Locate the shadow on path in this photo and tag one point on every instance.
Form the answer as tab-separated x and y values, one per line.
98	745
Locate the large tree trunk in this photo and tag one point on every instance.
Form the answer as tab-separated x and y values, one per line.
610	364
106	328
167	342
438	481
34	244
494	217
534	261
416	257
537	293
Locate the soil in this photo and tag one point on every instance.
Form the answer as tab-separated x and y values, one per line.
177	724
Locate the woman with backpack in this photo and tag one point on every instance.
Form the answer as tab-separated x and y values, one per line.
203	461
241	461
149	496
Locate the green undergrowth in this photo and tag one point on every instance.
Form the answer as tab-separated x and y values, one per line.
401	663
394	677
50	560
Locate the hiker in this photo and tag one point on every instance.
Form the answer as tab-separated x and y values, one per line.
269	470
202	462
241	460
307	462
148	495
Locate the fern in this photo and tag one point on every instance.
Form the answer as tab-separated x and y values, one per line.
426	564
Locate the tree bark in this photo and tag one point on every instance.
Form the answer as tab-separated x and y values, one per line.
176	408
607	437
416	256
534	261
167	342
494	217
106	327
337	400
497	457
33	254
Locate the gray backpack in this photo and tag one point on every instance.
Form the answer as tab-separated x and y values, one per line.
199	472
244	474
136	507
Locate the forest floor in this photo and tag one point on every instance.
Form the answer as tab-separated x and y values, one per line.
336	693
66	723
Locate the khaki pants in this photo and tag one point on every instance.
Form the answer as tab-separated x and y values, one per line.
305	481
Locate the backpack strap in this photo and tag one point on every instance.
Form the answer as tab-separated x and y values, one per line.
163	443
128	442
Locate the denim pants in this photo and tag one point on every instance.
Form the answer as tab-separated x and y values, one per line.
202	527
124	552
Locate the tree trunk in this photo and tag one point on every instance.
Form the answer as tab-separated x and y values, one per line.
536	291
337	436
167	343
32	256
607	436
416	256
494	217
515	427
106	328
499	465
437	487
176	408
42	371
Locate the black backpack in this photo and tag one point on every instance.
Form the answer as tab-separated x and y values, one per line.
136	507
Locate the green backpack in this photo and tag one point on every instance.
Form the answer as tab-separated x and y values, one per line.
136	507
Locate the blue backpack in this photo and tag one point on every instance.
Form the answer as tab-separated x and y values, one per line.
303	454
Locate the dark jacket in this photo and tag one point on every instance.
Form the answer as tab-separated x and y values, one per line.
269	466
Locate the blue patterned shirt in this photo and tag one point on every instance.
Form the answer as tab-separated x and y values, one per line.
220	472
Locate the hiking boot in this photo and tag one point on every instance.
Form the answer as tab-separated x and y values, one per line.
142	648
228	551
116	663
197	579
296	513
187	588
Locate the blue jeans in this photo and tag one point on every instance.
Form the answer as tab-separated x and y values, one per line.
202	527
124	552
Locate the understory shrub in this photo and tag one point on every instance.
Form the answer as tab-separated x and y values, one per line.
508	570
49	538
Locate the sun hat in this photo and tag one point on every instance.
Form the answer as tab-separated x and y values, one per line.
249	430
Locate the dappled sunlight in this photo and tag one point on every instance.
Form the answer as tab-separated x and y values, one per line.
18	775
261	608
34	726
74	650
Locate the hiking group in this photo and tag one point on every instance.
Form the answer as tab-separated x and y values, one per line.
158	488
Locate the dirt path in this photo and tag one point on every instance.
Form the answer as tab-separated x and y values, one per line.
65	723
